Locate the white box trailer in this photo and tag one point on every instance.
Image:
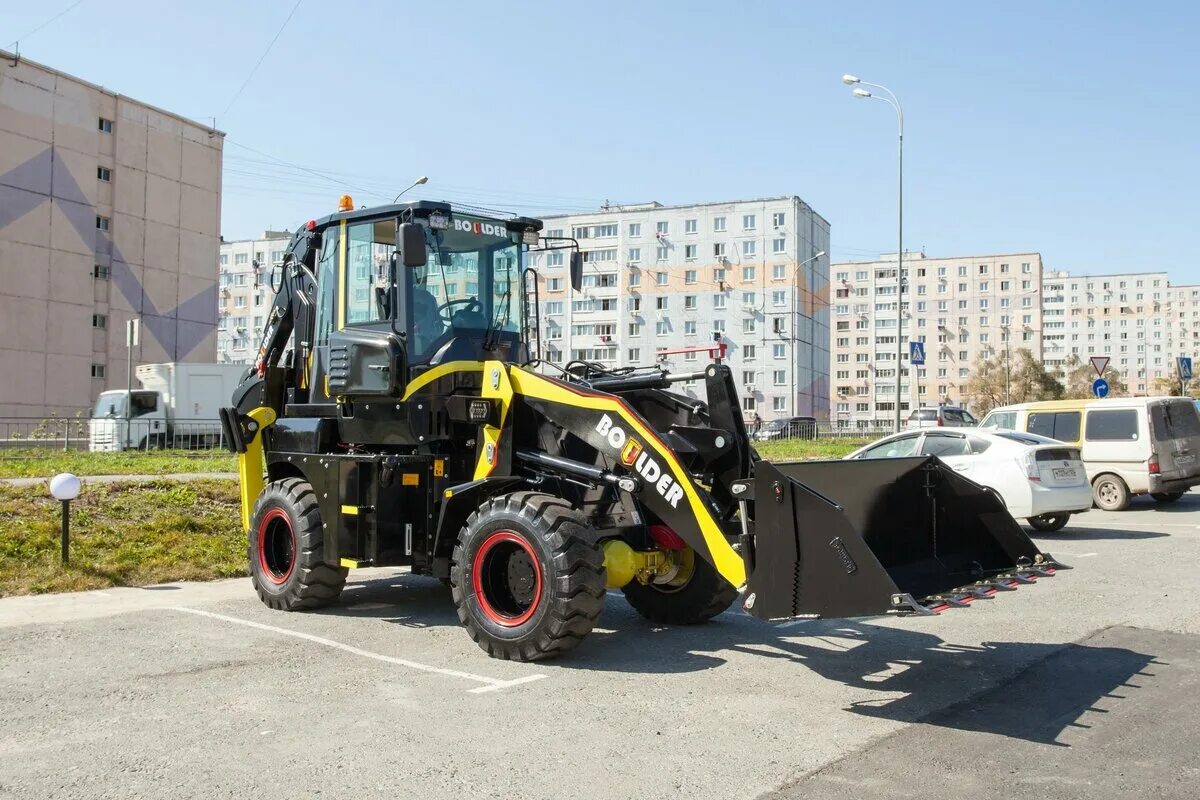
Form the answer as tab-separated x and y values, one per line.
175	406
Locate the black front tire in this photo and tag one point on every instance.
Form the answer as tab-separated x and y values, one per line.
287	549
527	577
1167	497
704	595
1049	522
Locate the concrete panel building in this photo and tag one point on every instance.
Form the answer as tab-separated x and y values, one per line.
245	294
109	209
1138	320
962	308
671	278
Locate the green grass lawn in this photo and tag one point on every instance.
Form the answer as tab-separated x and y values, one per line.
37	462
799	449
122	534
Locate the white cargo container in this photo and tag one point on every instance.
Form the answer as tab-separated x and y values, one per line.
175	406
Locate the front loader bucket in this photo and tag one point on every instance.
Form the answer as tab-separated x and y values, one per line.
887	536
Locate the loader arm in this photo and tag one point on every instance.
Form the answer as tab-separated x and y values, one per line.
611	425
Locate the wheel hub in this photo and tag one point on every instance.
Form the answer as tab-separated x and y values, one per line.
507	579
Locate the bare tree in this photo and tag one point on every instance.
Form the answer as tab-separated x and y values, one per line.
1002	379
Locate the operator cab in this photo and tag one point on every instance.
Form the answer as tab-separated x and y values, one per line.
403	288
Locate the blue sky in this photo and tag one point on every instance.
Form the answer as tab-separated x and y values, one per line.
1067	128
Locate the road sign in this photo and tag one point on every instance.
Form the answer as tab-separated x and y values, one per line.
1099	363
916	353
1100	387
1185	367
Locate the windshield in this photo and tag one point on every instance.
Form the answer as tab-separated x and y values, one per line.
470	283
110	404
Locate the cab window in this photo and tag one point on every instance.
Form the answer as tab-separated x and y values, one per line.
896	448
1061	425
1112	425
1001	419
941	444
144	403
326	285
369	250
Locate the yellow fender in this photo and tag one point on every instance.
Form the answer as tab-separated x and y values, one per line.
251	466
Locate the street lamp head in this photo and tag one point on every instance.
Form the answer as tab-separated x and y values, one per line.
861	93
421	181
850	80
819	254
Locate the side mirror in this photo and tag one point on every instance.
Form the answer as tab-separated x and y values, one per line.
576	270
412	244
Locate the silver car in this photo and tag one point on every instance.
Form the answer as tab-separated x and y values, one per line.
941	417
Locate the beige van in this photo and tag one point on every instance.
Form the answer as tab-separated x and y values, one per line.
1130	446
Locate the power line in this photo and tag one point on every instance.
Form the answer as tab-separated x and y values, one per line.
262	58
64	12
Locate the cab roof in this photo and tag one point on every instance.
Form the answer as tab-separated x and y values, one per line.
424	208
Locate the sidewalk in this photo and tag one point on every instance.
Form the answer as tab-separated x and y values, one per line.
171	476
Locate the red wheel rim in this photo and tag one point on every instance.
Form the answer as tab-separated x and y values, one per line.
506	577
276	546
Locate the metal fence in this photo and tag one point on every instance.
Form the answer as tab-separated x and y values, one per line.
108	434
811	430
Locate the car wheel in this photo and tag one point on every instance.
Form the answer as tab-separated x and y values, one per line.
1110	493
1167	497
1049	522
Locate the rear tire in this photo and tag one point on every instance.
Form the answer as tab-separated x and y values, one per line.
705	595
1167	497
1110	493
1049	522
287	549
527	577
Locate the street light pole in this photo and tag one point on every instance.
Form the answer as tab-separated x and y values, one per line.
894	102
795	327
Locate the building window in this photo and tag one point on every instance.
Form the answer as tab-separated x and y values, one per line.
105	126
662	228
662	328
689	302
97	370
719	301
748	247
635	354
689	226
719	250
102	223
554	284
778	351
661	255
748	222
778	219
689	276
552	260
747	273
779	272
224	259
661	303
779	377
749	325
778	245
635	278
719	274
104	174
779	298
102	273
748	352
718	224
99	321
660	278
689	327
635	254
241	258
689	252
635	229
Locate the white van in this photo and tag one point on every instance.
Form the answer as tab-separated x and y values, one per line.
1130	446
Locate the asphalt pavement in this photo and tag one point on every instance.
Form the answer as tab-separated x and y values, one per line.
1083	685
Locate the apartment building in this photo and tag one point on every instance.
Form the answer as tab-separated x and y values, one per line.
962	308
1138	320
109	210
245	297
664	284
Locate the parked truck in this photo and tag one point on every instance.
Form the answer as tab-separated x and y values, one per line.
175	405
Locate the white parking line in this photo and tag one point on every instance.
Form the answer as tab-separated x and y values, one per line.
490	684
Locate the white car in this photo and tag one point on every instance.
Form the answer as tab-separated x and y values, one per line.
1039	479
